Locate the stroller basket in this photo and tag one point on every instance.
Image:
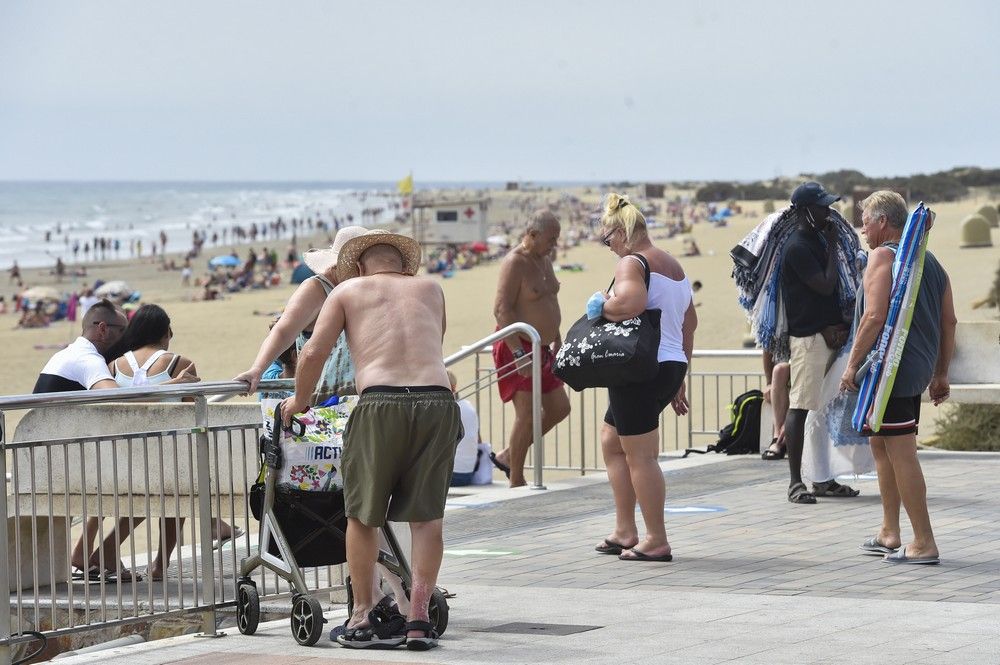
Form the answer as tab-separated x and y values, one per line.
313	523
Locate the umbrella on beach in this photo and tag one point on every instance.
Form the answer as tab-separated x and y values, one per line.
113	288
37	293
224	260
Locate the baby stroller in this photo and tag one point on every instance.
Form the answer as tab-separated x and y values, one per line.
303	524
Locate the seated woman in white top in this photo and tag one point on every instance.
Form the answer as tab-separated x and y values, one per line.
148	362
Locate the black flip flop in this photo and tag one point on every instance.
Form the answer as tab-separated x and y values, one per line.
611	547
642	556
500	465
93	574
770	454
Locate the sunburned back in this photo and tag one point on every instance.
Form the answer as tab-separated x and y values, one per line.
395	326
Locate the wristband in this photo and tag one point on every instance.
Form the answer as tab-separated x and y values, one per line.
518	354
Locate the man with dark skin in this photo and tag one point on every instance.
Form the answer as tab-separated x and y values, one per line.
809	279
527	291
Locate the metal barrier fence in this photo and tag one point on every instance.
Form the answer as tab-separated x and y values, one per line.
574	444
181	481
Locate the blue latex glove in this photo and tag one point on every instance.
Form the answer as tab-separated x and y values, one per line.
595	306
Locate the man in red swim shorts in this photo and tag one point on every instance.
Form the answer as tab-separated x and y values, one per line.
527	291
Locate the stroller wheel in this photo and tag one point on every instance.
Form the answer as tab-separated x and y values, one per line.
438	611
247	609
307	620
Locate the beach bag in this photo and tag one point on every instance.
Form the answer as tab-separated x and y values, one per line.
483	473
742	435
311	460
601	353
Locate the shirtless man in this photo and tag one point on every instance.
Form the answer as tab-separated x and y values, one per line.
528	292
399	447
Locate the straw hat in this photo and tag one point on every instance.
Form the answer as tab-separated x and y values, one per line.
321	260
350	253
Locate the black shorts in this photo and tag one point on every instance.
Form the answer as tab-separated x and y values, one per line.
635	409
902	415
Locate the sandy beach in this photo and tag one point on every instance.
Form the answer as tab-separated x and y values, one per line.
222	336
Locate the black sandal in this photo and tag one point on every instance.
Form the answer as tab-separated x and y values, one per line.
386	631
771	454
798	493
425	643
834	489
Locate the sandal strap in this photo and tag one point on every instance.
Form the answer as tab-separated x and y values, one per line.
386	622
424	626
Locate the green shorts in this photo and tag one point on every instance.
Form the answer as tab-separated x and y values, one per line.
399	450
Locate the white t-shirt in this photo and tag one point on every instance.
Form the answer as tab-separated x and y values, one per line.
77	367
468	447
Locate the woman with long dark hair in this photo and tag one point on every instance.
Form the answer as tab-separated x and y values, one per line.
146	360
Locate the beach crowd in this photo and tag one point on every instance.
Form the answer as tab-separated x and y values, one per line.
817	304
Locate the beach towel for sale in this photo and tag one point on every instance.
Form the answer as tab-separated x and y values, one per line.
757	273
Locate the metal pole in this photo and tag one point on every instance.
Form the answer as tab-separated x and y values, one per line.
536	410
690	414
5	651
208	625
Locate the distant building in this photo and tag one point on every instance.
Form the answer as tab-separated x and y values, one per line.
437	222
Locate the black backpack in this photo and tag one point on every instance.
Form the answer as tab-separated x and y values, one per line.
742	435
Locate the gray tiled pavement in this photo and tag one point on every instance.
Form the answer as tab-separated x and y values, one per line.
759	581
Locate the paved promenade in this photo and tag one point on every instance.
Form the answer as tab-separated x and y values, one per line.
754	580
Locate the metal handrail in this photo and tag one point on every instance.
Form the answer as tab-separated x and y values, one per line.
149	393
202	439
536	385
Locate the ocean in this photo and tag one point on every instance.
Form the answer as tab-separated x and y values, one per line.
130	212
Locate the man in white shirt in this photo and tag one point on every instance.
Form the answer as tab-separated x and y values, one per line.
82	366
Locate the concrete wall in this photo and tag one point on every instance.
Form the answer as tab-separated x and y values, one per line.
146	466
975	368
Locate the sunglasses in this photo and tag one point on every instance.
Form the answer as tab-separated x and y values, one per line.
607	239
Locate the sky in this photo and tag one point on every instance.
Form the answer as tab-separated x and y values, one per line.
494	91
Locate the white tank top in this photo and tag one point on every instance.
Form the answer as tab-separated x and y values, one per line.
139	376
672	298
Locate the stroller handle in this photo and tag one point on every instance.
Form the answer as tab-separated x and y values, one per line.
278	426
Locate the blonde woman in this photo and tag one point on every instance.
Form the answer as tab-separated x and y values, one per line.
645	278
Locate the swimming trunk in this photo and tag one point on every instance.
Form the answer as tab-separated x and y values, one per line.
510	382
399	450
902	416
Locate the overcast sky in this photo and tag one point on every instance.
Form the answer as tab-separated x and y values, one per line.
472	91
